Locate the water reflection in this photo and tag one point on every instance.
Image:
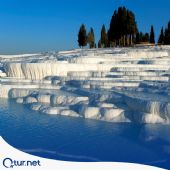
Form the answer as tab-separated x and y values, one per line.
76	139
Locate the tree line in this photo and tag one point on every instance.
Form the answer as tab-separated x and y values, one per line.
164	37
123	31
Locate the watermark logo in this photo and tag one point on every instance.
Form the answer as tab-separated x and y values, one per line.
11	163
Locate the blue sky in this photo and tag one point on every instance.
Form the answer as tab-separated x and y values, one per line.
44	25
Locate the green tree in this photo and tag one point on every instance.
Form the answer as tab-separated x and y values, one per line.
131	26
137	38
99	44
123	27
82	36
91	38
152	35
161	37
112	32
142	37
145	38
104	38
167	35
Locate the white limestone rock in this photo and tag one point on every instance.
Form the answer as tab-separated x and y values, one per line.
120	118
69	113
159	108
15	93
90	112
67	100
44	98
147	54
35	106
106	105
38	71
106	76
19	100
51	110
29	100
151	118
110	113
4	91
2	74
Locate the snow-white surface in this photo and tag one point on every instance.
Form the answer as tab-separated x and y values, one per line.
115	85
17	55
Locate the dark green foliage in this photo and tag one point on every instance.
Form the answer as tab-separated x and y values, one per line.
104	37
161	37
146	37
123	31
167	35
123	27
142	38
131	26
137	38
152	35
82	36
91	39
141	35
99	44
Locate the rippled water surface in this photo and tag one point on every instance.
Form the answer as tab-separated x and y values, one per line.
76	139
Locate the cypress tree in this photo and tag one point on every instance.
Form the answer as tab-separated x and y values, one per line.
152	35
123	27
131	26
99	44
104	38
91	38
137	38
112	33
82	36
146	37
161	37
141	37
167	35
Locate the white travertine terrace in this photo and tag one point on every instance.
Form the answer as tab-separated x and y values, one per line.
115	85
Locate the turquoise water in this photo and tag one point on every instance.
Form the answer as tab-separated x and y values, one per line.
76	139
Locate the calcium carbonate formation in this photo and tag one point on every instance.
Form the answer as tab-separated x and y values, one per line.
115	85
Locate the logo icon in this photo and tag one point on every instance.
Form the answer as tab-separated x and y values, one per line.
10	163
